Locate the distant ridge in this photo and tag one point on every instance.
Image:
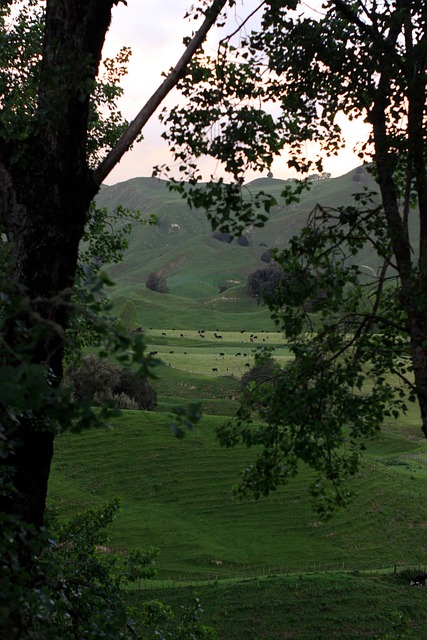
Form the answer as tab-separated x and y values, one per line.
198	266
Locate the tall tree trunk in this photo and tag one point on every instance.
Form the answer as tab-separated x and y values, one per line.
413	277
44	197
418	332
52	211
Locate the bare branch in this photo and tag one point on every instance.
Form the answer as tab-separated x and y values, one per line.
245	21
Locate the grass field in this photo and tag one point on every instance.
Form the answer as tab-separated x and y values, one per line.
264	569
307	607
177	495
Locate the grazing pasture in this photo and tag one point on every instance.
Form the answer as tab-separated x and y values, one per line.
309	607
203	352
177	494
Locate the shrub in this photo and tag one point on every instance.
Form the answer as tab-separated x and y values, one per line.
93	379
260	372
263	281
124	402
258	383
157	282
243	241
222	237
97	380
137	389
128	315
267	256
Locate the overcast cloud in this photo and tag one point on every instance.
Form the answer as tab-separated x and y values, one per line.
154	29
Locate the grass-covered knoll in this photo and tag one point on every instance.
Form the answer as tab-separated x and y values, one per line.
202	272
233	312
177	495
309	607
213	354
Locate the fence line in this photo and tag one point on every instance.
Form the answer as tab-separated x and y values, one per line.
214	578
420	458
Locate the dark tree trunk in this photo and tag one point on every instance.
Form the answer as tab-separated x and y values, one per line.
44	197
418	333
412	273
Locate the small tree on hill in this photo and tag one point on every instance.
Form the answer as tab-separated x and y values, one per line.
128	315
137	389
157	282
96	380
243	241
267	256
263	281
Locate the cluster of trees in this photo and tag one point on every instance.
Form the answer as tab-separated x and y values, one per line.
264	281
97	380
364	59
157	282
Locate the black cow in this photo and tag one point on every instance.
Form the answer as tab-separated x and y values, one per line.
420	581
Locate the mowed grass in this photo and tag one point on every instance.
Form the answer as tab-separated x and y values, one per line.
213	353
177	495
309	607
231	310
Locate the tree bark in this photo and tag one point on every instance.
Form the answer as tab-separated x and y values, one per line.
45	195
412	273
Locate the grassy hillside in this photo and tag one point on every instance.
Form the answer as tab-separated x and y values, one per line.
206	277
232	310
177	495
309	607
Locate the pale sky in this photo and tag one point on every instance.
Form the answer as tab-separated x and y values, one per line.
154	30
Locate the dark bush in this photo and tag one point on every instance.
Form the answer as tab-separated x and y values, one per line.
264	375
157	282
222	237
263	281
93	379
260	372
137	389
267	256
243	241
97	380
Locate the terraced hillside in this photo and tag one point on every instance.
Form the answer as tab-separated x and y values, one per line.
206	276
177	494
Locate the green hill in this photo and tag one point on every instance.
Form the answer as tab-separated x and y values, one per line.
177	494
198	267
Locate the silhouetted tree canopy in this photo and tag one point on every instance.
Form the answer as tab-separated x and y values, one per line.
263	281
